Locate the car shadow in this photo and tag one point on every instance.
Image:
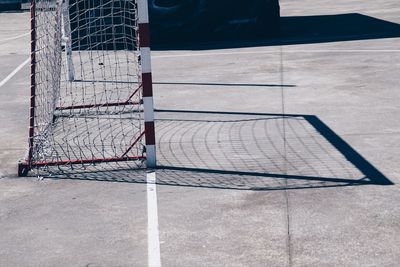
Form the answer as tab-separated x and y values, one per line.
305	30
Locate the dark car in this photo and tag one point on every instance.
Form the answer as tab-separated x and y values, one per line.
10	4
172	21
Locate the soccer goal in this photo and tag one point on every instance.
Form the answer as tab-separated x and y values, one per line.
91	86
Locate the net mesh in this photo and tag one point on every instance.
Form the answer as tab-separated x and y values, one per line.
87	104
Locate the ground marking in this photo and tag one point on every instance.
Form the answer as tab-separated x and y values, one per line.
15	37
277	51
153	239
6	79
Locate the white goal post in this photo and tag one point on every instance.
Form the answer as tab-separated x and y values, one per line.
91	85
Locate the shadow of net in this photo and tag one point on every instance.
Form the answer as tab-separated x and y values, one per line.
250	152
240	151
125	171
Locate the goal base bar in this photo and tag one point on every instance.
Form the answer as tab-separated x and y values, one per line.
116	104
25	167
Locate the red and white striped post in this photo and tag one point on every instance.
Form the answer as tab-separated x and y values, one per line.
147	83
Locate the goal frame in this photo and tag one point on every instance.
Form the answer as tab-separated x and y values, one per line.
145	85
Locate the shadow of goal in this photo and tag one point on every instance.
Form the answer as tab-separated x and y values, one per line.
252	151
242	151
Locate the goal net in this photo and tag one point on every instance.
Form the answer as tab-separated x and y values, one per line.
91	90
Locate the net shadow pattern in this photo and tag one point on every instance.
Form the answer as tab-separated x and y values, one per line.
255	152
124	172
242	151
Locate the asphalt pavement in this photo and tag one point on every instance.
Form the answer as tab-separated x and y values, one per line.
272	153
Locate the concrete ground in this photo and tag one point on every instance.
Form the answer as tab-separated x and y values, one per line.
231	192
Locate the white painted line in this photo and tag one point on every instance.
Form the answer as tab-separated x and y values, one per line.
15	37
153	238
175	55
6	79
